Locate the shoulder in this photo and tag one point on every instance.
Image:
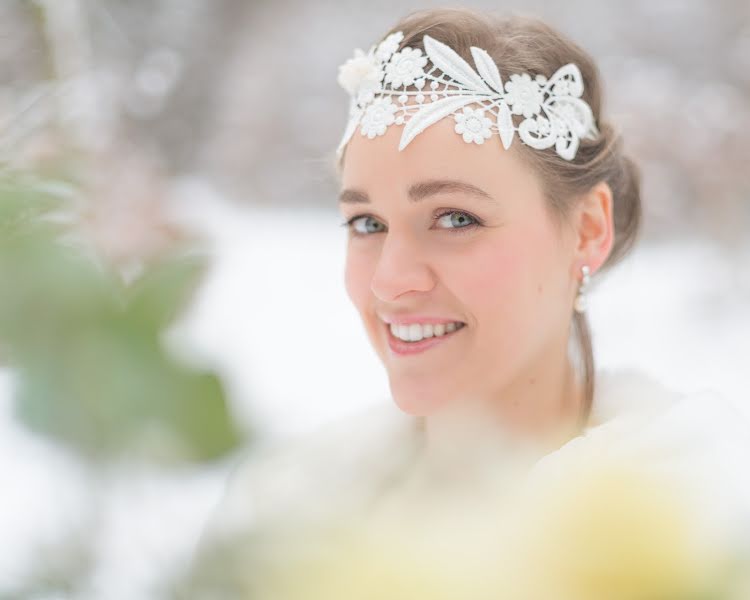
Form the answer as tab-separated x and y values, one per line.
699	439
640	405
626	392
312	475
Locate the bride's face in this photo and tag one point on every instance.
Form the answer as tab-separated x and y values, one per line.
450	232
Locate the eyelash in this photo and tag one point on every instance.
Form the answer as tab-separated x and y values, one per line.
477	222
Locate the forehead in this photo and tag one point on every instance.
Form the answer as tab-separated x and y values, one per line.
437	152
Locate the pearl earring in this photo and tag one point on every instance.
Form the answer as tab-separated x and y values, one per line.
580	303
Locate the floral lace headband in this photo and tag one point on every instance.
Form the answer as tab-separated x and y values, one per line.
554	114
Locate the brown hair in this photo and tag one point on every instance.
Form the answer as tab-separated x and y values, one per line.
524	44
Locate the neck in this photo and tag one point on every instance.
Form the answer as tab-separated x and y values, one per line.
541	406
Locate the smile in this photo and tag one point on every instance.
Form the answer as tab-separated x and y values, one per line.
424	336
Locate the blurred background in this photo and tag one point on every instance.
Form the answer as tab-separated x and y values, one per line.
170	194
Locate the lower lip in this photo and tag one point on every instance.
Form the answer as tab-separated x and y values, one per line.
403	348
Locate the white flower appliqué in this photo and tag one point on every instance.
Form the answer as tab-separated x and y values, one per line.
404	67
473	125
363	72
523	95
388	46
377	117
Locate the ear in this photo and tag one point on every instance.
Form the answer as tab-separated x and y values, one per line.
594	228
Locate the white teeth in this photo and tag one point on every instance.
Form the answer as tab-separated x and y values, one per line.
416	332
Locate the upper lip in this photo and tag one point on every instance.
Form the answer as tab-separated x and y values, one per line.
415	318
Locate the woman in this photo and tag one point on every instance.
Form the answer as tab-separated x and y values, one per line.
482	188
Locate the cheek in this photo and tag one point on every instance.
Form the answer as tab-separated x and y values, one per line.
357	277
509	280
488	287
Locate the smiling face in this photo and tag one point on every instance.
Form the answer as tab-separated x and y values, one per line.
447	231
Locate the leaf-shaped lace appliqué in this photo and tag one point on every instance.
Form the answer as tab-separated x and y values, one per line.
429	115
487	69
452	65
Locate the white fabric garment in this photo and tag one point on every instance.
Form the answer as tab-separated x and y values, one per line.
365	466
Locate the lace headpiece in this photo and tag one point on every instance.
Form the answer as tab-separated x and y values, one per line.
554	113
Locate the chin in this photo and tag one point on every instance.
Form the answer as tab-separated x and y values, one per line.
417	399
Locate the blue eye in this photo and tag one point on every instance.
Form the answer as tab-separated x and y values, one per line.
456	220
364	225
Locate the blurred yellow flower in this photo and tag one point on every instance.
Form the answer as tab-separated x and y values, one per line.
614	531
601	532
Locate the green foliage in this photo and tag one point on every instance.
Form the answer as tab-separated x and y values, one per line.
93	371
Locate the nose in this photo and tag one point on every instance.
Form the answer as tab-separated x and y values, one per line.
401	268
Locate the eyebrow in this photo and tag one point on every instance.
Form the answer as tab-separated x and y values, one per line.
421	190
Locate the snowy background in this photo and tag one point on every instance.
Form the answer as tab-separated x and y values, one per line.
163	110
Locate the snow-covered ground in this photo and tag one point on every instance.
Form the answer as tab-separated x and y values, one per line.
273	318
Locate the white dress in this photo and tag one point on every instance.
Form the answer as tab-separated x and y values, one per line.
377	468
